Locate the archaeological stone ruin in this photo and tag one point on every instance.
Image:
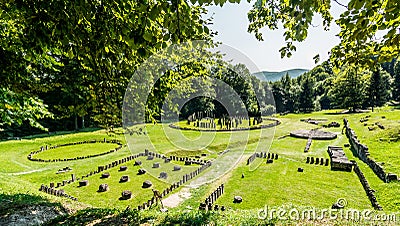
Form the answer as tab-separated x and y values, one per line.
339	160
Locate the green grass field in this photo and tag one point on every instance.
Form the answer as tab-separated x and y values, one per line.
273	184
73	151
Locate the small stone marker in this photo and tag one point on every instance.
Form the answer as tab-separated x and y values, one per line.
391	177
300	170
105	175
83	183
123	168
141	171
126	195
177	168
237	199
147	184
150	157
188	163
137	163
270	160
103	187
156	165
124	178
163	175
242	175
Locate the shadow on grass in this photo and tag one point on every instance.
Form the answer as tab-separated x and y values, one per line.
347	112
189	218
98	216
11	203
26	209
57	133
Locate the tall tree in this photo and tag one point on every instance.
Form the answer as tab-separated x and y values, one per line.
378	88
349	88
396	82
306	96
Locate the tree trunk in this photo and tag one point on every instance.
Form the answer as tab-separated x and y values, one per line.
76	122
83	122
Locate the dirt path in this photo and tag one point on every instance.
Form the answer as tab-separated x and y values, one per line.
177	198
28	172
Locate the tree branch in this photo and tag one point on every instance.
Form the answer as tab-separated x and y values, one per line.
341	4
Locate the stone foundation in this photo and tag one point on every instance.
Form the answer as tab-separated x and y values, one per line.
361	151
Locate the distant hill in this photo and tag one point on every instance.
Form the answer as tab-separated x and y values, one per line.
275	76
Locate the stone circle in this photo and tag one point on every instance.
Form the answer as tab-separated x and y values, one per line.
313	134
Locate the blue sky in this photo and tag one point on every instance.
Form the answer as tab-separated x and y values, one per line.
231	23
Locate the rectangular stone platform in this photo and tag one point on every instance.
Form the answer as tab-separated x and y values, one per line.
339	161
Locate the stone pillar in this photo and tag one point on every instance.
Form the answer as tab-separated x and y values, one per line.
73	178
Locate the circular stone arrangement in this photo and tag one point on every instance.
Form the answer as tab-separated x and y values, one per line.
313	134
45	148
212	127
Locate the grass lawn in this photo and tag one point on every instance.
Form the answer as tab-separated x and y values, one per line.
273	184
73	151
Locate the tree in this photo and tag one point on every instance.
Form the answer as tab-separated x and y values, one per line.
278	94
306	97
349	88
16	108
106	40
288	94
378	88
396	83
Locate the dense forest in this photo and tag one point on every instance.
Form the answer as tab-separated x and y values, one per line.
349	87
66	65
